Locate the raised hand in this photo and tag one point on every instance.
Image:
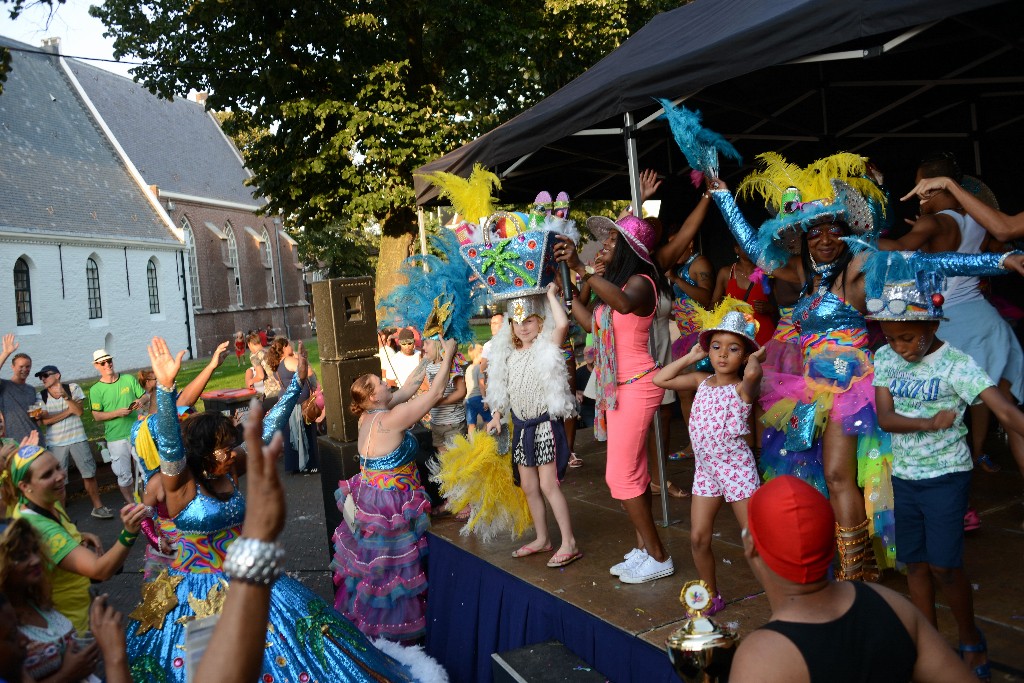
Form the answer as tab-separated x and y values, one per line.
220	354
132	516
565	250
302	369
264	521
450	346
10	345
649	183
165	366
926	188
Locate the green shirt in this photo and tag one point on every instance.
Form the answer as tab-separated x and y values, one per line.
946	379
113	396
70	590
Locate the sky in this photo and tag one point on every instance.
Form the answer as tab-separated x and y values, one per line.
80	35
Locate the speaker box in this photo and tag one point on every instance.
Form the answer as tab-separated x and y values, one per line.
337	377
346	318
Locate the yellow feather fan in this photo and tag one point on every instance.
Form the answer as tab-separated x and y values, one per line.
471	197
813	182
474	475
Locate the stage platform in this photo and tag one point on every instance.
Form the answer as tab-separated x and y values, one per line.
482	600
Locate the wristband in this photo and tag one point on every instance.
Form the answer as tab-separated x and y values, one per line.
127	538
1002	260
254	561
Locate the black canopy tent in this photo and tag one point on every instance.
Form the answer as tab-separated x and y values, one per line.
890	79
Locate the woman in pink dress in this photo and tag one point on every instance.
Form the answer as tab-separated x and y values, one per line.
627	296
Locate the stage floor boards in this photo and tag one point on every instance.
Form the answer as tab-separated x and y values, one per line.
652	611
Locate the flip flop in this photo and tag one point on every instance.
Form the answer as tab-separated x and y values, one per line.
675	491
560	560
986	463
526	550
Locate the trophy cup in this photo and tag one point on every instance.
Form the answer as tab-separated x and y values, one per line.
700	650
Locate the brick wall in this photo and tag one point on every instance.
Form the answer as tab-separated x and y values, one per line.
62	333
218	317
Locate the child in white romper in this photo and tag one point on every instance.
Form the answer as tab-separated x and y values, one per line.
724	465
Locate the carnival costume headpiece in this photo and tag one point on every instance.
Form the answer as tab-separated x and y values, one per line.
470	197
830	190
736	323
442	293
638	233
701	146
907	294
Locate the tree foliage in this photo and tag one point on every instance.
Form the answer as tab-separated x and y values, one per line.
353	96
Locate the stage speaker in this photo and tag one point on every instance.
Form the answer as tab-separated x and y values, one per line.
346	320
547	662
337	377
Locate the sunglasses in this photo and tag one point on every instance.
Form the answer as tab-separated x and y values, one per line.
46	374
109	361
406	343
819	230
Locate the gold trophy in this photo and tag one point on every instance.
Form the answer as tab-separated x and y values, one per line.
700	650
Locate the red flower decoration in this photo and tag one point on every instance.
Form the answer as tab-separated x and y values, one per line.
793	422
938	299
518	282
532	244
178	662
530	265
267	678
303	677
471	253
491	280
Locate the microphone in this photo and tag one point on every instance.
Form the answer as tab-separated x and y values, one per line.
563	270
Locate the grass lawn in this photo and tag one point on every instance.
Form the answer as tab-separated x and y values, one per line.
227	376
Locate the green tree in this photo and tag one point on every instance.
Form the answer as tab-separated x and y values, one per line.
355	95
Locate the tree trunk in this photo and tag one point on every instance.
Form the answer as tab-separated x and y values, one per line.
397	243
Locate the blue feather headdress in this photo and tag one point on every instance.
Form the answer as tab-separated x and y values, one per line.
699	145
446	281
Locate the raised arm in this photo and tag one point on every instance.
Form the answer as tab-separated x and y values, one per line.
559	320
669	377
9	347
1000	225
101	567
405	415
669	253
165	428
190	394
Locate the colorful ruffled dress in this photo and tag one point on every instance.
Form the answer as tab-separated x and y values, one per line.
380	564
306	639
833	382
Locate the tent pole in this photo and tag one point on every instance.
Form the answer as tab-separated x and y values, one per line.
629	133
423	236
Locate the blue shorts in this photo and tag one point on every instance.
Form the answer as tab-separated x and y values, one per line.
930	519
475	408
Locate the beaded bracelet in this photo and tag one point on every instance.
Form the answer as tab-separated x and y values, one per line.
126	538
254	561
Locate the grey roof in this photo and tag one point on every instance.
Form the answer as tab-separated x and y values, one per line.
175	145
59	174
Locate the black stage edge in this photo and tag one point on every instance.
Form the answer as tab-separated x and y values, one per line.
548	662
475	609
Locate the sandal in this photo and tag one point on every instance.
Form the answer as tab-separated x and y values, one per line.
574	461
561	559
972	522
983	672
988	465
526	550
675	491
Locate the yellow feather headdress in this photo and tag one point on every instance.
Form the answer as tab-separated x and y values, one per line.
470	197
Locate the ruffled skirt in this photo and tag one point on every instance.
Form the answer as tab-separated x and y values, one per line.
380	566
801	392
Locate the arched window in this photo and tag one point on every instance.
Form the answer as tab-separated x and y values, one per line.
153	287
268	268
22	292
193	263
234	274
92	286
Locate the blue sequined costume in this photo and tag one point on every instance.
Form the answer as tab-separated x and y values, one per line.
307	641
837	372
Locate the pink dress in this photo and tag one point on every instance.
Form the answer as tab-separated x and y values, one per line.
723	462
637	400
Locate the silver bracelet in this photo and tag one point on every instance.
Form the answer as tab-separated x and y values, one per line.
254	561
1002	259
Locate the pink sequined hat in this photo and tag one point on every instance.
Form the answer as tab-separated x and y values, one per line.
639	234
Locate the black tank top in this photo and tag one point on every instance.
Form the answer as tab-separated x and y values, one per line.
868	643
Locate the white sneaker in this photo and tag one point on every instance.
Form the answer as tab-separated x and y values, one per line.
648	570
632	559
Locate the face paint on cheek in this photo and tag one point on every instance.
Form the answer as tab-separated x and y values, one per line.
921	344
